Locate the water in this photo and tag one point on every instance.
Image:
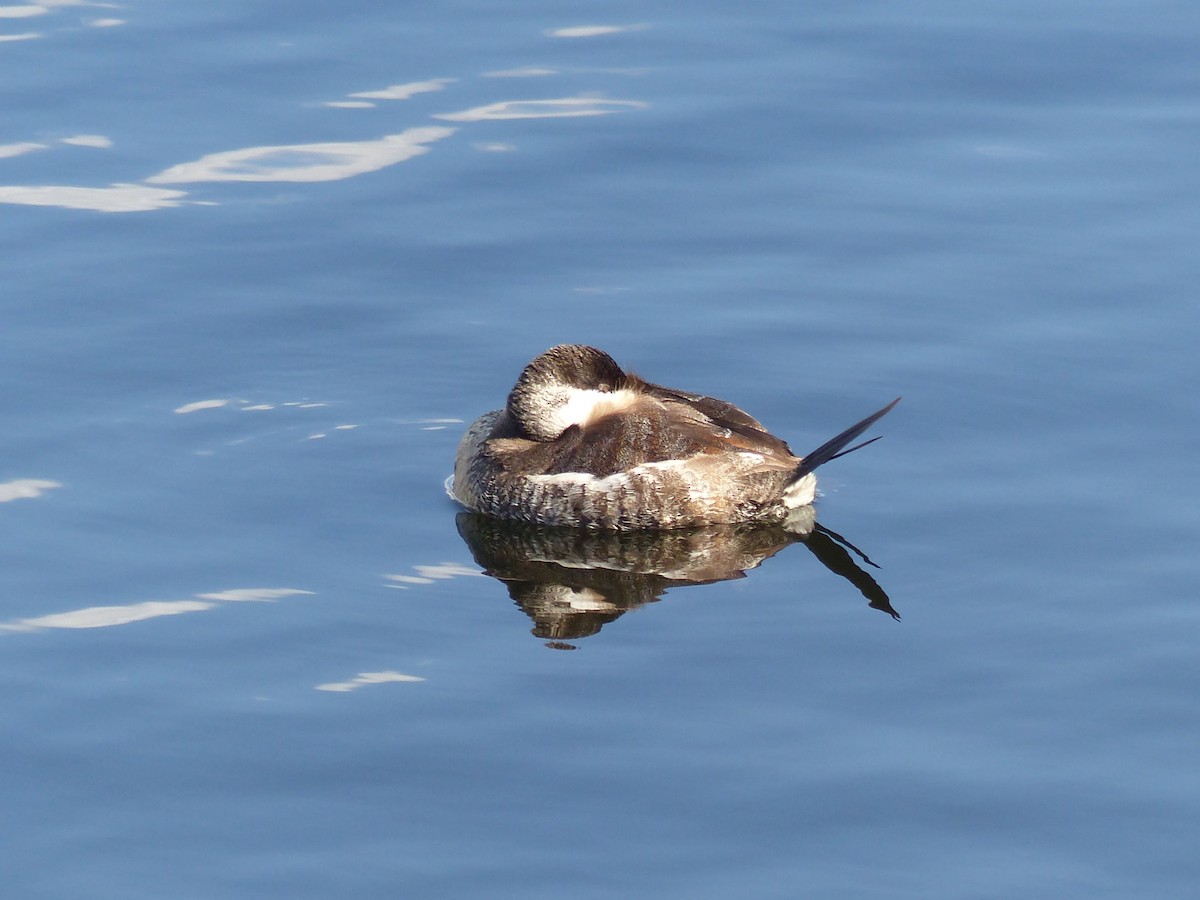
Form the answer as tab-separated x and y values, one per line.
247	308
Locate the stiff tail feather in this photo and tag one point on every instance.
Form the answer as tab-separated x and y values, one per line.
834	447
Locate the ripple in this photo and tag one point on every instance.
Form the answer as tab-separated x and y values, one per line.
199	405
543	109
305	162
127	613
34	10
522	72
80	140
430	574
108	616
308	162
241	595
404	91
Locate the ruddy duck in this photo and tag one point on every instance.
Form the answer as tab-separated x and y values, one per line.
581	442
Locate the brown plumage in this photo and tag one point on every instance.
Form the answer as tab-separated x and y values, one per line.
581	442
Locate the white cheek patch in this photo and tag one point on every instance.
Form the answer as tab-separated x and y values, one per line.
584	406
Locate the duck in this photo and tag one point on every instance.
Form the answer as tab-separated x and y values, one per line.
583	443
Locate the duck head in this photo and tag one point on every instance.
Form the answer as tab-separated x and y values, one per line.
570	384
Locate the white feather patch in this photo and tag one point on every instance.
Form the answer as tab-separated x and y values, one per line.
615	481
584	406
801	493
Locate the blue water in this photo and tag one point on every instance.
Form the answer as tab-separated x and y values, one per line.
263	261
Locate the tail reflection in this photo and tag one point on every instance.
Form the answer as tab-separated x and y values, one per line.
573	582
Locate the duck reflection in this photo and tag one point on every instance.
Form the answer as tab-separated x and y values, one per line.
572	582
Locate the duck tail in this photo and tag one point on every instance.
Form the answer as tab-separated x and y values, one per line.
834	447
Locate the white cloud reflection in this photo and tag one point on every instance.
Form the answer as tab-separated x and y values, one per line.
199	405
289	162
44	6
115	198
430	574
23	11
543	109
305	162
404	91
495	147
78	140
522	72
242	595
107	616
124	614
368	678
586	31
295	163
32	10
25	488
88	140
8	150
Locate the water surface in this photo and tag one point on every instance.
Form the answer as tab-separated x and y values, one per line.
263	261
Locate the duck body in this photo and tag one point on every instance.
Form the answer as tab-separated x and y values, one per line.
582	443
